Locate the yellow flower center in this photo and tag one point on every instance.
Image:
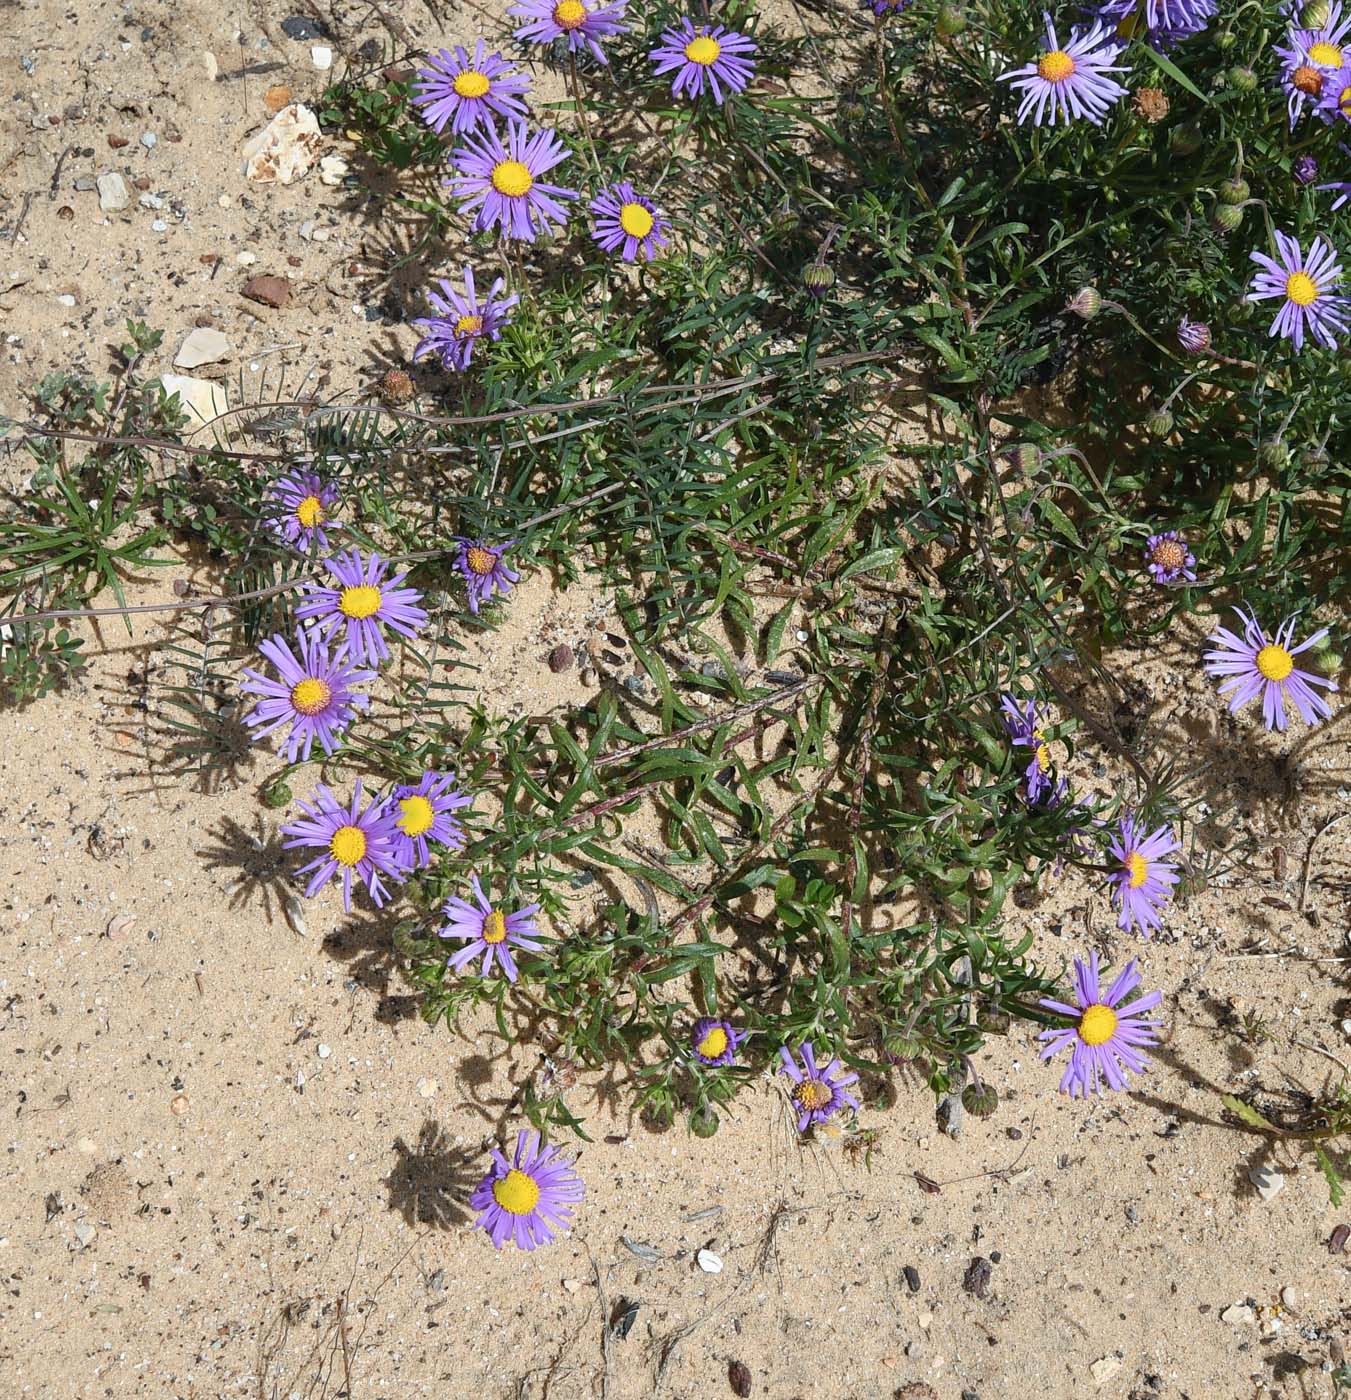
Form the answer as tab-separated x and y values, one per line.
569	14
1168	554
310	695
635	220
418	815
1097	1025
1344	101
1137	867
703	49
1056	66
495	927
1275	663
310	512
348	845
468	325
471	84
516	1193
1301	288
811	1095
511	178
480	560
1329	55
361	601
714	1043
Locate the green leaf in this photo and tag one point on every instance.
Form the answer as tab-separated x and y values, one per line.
1166	65
1247	1113
1336	1187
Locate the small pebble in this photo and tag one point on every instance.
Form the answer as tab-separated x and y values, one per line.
708	1261
1338	1238
1268	1182
302	27
911	1278
85	1233
179	1106
322	57
325	1051
1237	1313
427	1088
149	140
976	1281
1288	1296
1104	1368
560	658
116	141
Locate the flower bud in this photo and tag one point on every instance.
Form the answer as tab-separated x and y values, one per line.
1186	139
1226	218
982	1102
1305	170
950	22
1159	423
1193	336
276	794
1326	660
1024	458
1274	454
1314	15
1085	303
1234	191
818	278
1224	40
1242	79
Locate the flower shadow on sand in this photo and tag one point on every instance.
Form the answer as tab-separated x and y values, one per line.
431	1181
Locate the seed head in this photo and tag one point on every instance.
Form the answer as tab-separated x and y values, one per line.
395	387
1150	105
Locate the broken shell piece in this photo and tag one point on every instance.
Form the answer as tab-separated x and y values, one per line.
285	149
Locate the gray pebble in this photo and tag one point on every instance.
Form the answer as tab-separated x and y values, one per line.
149	140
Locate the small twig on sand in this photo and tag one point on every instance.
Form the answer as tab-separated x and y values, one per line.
1308	858
604	1329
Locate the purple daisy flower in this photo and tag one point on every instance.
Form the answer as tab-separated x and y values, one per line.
1193	336
714	1042
426	813
365	602
882	8
1072	81
528	1198
1335	101
314	694
1107	1039
468	93
489	931
1168	558
547	20
1306	285
1166	22
1143	881
484	570
502	181
1256	664
708	55
628	222
354	841
1023	720
1304	171
818	1093
299	505
1307	57
462	320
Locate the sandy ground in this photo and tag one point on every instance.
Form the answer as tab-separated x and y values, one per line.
226	1135
237	1162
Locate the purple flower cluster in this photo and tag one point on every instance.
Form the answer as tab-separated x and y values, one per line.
383	840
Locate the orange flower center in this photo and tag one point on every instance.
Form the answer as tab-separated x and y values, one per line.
1056	66
812	1095
1307	80
1168	554
480	560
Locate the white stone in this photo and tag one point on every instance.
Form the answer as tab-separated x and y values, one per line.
332	169
113	192
708	1261
85	1233
1104	1368
285	149
1268	1181
66	299
210	65
322	57
325	1051
202	400
246	259
1236	1313
203	345
427	1088
1288	1296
